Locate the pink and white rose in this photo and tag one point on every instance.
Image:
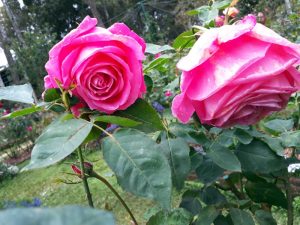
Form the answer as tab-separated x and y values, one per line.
237	74
104	65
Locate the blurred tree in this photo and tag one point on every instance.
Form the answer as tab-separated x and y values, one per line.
57	16
5	45
94	10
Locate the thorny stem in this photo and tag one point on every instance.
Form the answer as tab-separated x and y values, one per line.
103	180
84	179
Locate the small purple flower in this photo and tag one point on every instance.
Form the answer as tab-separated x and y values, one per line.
37	202
111	128
158	107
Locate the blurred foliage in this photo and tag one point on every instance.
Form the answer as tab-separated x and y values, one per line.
15	131
276	14
32	58
7	172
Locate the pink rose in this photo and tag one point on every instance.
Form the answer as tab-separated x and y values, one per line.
237	74
105	65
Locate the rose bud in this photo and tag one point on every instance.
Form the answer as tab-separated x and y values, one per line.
219	21
261	18
76	169
168	93
76	109
88	167
232	11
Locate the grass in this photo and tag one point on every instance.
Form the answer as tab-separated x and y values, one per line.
45	184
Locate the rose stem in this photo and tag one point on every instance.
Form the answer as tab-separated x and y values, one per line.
84	179
103	180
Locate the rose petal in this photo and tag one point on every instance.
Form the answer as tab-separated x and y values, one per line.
264	33
48	82
121	28
182	108
275	62
214	74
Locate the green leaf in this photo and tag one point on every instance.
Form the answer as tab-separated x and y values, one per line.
188	134
139	164
177	216
208	16
264	218
149	83
226	138
240	217
208	171
196	159
142	112
191	201
155	49
121	121
224	158
184	40
221	4
243	136
205	13
95	133
273	142
212	196
172	85
18	93
291	139
258	157
57	108
65	215
201	10
279	125
52	94
177	153
23	112
266	192
222	220
58	141
157	63
207	216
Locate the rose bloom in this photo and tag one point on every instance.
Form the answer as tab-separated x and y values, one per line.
104	65
237	74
